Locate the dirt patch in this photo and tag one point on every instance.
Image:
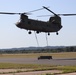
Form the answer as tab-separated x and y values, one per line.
68	74
28	73
11	70
32	73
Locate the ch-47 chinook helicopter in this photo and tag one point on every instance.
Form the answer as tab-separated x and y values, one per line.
53	25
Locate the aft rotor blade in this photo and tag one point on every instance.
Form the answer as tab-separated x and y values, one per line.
50	10
66	14
58	15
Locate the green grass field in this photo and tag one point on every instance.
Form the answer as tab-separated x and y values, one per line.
36	67
35	55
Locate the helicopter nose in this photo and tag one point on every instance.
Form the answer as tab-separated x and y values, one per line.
60	26
18	24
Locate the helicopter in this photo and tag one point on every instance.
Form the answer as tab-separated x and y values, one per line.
53	25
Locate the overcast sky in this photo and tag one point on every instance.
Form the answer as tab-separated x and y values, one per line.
11	36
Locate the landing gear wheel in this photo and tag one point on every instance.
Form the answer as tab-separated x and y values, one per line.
57	33
29	32
48	33
37	32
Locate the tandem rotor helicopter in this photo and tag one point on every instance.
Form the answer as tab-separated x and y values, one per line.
53	25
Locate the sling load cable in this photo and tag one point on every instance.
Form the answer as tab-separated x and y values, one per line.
36	39
46	39
46	34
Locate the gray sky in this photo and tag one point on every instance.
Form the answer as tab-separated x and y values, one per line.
11	36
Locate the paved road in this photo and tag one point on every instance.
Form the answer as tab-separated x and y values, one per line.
71	61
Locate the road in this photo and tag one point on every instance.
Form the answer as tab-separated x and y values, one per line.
54	61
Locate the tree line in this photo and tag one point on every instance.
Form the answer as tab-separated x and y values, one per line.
47	50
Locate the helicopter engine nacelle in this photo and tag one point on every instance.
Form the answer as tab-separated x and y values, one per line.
23	21
55	20
23	18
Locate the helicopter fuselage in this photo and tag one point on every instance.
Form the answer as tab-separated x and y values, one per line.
40	26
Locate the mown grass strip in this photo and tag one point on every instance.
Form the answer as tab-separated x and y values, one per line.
35	55
20	66
37	67
68	69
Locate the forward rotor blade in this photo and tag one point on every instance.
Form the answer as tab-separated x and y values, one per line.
37	9
8	13
27	13
44	15
13	13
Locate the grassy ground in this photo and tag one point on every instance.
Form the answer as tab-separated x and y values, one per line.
20	66
35	55
36	67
